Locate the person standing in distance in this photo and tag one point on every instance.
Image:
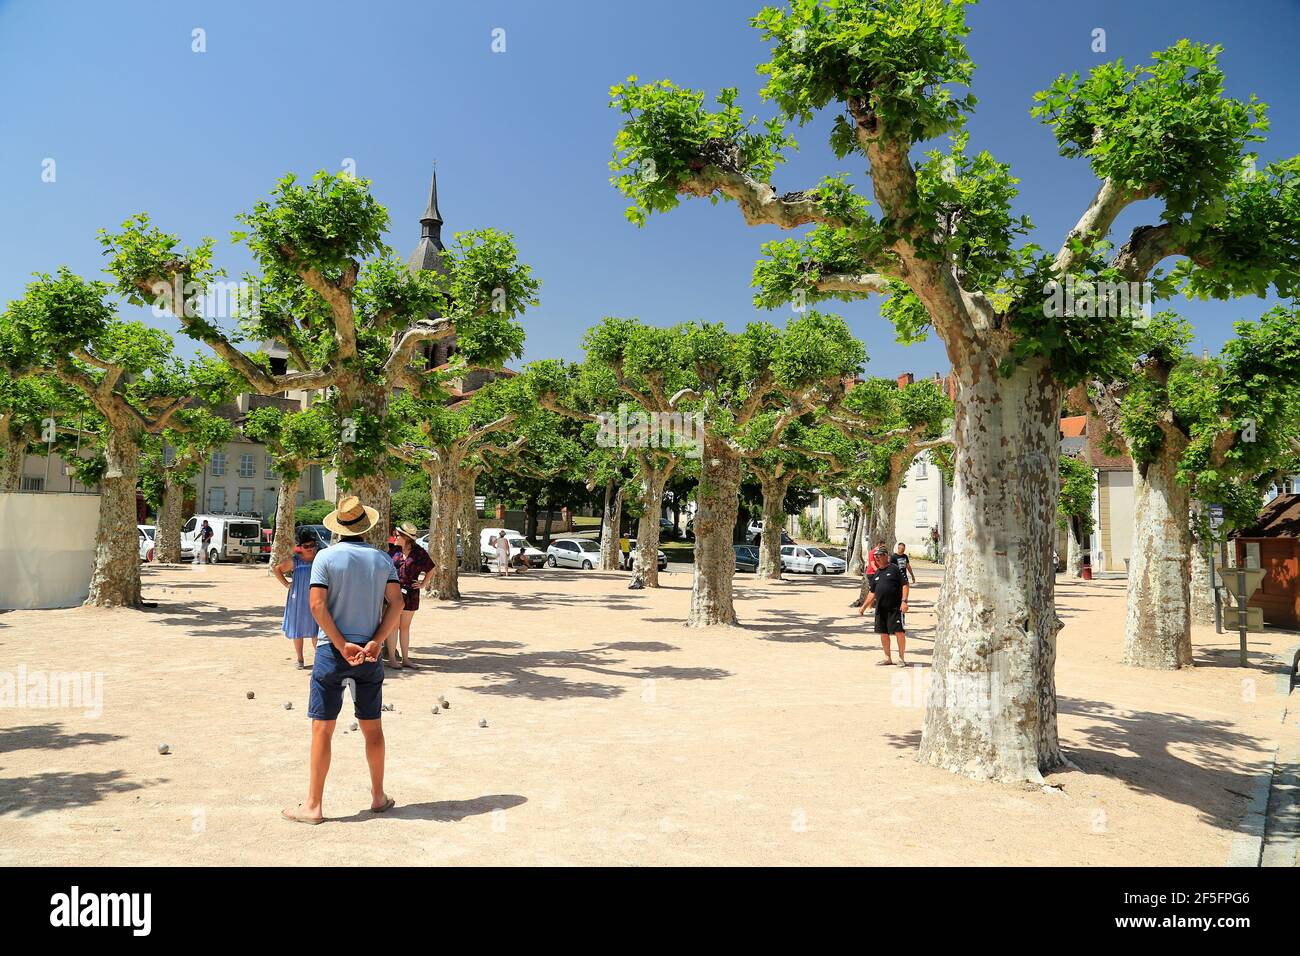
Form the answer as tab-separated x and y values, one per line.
889	597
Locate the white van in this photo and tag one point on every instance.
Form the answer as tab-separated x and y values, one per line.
517	542
228	534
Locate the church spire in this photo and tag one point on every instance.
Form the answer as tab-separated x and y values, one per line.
428	254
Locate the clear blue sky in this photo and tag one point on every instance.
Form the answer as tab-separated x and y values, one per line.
136	121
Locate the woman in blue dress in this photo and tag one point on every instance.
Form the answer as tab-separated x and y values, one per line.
299	625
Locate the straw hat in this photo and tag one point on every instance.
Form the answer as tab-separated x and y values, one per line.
351	517
408	530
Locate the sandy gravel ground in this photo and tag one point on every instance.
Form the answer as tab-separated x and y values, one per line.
615	735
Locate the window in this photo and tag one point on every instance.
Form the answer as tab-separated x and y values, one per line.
219	464
33	483
190	525
246	469
270	498
245	500
920	467
270	471
217	499
922	513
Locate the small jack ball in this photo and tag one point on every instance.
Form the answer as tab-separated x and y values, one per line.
249	695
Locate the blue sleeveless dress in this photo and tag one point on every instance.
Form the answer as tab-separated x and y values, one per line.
298	620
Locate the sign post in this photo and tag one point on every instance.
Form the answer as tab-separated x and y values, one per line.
1216	522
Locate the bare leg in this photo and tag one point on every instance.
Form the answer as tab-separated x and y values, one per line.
884	642
297	648
373	730
405	628
901	638
322	734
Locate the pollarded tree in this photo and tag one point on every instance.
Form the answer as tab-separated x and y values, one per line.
171	461
803	453
893	425
64	328
351	314
27	406
452	445
740	377
629	360
1074	510
1195	429
944	245
295	440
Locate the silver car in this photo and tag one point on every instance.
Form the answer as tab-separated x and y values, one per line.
796	557
573	553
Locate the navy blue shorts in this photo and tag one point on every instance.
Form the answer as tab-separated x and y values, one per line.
329	671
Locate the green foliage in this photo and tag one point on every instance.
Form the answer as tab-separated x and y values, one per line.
312	512
413	501
901	57
1074	506
294	439
1164	128
669	136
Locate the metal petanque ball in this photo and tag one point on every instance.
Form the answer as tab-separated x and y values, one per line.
249	694
437	709
482	721
443	701
164	748
288	705
353	725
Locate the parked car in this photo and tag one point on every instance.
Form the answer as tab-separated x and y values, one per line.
573	553
229	532
147	533
754	530
536	558
746	557
758	539
628	561
798	558
423	542
667	529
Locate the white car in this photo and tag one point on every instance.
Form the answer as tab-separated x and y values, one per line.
229	532
628	561
796	557
573	553
536	558
147	533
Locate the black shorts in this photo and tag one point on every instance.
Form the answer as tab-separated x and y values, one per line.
889	620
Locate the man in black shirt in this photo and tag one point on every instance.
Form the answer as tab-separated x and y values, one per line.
889	597
900	558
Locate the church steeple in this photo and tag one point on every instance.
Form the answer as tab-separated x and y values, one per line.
428	253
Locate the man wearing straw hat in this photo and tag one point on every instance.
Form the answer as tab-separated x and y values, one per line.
356	601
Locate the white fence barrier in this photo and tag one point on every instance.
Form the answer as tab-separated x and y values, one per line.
47	549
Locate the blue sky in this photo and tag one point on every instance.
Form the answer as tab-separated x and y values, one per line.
137	121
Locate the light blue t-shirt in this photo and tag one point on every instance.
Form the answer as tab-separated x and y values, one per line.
355	575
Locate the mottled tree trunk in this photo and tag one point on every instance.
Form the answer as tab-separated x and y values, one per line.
717	501
610	522
167	537
881	522
1158	632
1202	588
12	452
769	555
853	542
115	580
991	708
1073	552
647	530
443	582
286	503
471	551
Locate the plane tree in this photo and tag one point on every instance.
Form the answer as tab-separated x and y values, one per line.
352	316
171	461
295	440
1074	510
944	246
65	328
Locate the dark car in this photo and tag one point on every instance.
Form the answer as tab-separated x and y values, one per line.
746	557
323	534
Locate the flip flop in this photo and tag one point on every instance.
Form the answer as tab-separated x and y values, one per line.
883	663
389	803
297	817
902	663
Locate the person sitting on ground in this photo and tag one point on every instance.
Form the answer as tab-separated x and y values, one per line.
889	597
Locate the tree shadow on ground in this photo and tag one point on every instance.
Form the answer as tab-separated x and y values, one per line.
1170	755
47	737
908	741
57	790
639	646
1261	661
196	620
442	811
538	601
523	674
